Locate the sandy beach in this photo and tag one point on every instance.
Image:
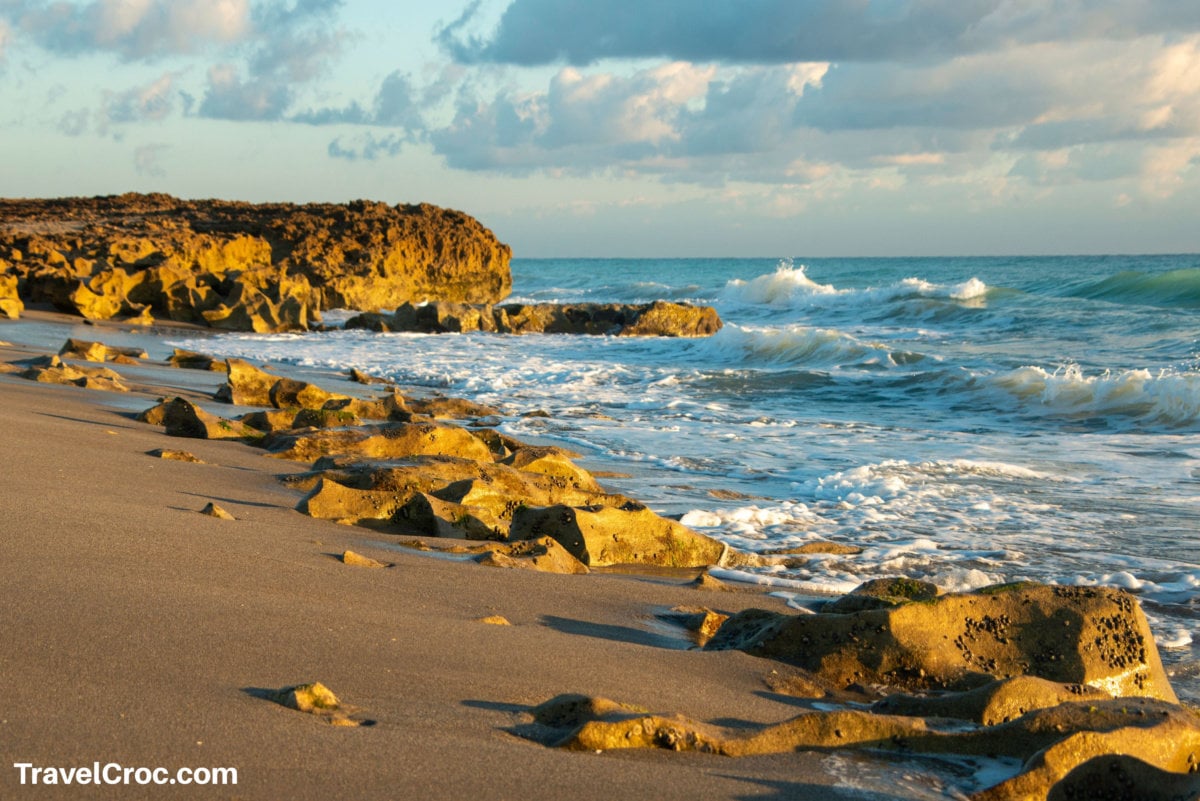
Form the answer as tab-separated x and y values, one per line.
142	632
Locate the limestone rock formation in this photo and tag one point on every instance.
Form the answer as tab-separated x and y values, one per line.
661	318
259	267
11	305
183	418
98	351
600	536
1076	635
1051	743
53	370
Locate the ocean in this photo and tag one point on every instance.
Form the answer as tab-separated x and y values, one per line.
966	421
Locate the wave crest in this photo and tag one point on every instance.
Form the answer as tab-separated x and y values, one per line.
1166	398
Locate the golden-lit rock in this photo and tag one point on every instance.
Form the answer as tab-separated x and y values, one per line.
600	536
1070	635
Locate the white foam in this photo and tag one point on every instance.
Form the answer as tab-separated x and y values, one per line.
1167	397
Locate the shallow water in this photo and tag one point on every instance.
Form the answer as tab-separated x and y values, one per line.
965	421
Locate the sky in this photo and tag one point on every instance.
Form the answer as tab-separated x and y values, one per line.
785	128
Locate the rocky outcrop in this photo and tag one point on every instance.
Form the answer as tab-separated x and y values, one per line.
241	266
412	474
1096	637
53	370
600	536
661	318
1052	744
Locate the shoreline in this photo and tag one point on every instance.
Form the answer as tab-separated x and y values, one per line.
154	635
143	624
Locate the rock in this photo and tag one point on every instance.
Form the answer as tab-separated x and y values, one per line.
464	497
552	461
665	319
266	267
325	418
389	407
360	377
11	304
315	699
543	554
495	620
52	370
451	408
997	702
212	510
599	536
431	516
384	441
156	415
1117	777
288	392
1166	740
271	420
1071	635
183	418
661	318
247	385
706	581
1050	743
883	593
702	622
358	560
191	360
98	351
175	456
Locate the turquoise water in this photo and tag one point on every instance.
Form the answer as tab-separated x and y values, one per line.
966	420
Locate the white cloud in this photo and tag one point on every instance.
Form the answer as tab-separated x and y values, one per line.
133	29
785	31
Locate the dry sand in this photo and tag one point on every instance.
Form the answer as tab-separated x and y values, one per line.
136	631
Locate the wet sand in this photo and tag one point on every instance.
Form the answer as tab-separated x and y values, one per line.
139	631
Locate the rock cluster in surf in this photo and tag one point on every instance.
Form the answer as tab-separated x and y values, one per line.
661	318
396	465
1065	683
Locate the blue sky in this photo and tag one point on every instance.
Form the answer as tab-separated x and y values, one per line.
635	127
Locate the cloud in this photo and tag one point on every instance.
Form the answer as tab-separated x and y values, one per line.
397	103
154	101
291	45
366	147
785	31
146	160
231	97
5	38
133	29
1123	111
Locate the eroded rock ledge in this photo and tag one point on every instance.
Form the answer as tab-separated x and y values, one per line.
240	266
661	318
